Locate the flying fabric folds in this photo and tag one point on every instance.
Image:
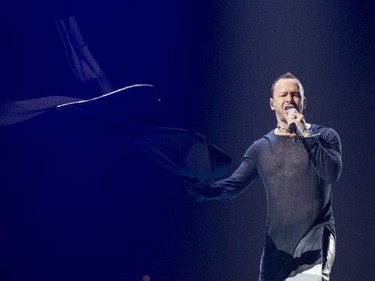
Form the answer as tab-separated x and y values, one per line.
187	154
82	62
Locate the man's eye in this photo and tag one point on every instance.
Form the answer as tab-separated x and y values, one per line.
297	94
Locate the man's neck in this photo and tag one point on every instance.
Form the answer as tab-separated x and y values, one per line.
282	130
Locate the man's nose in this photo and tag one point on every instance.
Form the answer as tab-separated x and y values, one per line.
288	98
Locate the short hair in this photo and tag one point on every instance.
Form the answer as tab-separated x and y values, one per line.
287	75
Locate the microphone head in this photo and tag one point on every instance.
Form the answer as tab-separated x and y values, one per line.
292	127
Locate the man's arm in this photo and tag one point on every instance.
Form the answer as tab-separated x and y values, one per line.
324	150
230	187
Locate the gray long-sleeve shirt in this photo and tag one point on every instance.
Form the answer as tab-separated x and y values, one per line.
297	179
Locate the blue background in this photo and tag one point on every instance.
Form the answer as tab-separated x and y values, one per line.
78	209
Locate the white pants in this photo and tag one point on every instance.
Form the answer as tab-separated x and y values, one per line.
320	272
312	274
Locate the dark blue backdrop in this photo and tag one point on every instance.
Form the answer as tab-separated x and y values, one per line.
97	209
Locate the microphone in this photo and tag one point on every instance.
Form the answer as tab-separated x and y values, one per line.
293	132
292	128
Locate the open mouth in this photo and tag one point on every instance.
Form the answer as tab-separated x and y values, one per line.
289	107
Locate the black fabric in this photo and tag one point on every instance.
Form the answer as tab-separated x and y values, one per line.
187	154
19	111
82	62
297	179
184	153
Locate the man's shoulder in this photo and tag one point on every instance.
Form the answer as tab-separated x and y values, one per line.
319	129
265	139
268	137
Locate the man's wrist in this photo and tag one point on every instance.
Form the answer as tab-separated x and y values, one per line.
306	133
305	130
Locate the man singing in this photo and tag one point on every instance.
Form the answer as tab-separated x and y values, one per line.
297	163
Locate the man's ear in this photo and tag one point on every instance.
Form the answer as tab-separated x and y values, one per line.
271	104
302	105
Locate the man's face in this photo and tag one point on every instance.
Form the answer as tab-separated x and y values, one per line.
286	95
